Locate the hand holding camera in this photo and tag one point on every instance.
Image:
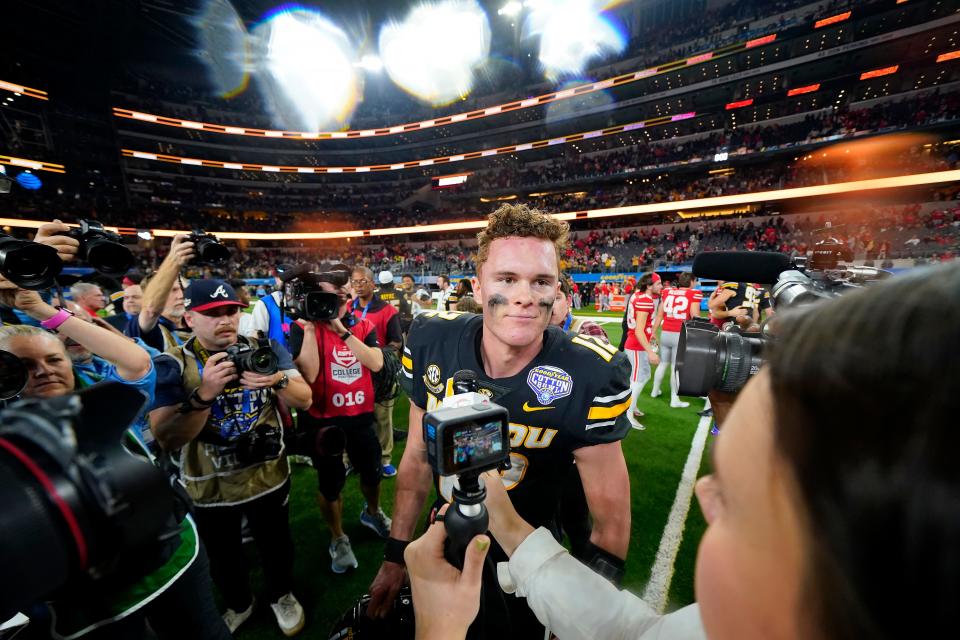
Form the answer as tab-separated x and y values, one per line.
181	251
447	599
57	235
217	374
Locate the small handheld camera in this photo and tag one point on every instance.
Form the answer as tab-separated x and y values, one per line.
467	436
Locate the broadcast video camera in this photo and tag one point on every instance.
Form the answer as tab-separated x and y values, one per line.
304	299
208	249
724	359
465	437
29	265
80	509
102	248
258	359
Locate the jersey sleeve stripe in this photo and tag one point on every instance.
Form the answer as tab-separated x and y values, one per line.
614	398
605	413
603	353
407	362
594	425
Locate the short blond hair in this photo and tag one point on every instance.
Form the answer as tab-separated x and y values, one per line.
521	221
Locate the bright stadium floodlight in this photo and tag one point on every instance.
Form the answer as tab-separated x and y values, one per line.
308	70
572	33
510	9
432	53
371	63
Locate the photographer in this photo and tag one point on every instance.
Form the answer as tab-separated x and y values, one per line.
160	322
338	363
175	597
268	314
384	316
566	396
234	461
832	508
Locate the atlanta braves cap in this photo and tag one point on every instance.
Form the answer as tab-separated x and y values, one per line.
203	295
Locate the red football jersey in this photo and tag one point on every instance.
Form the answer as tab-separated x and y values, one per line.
639	302
678	305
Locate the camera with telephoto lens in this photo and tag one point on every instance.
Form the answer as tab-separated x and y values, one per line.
208	249
80	509
259	444
258	359
102	249
468	435
711	358
303	299
29	265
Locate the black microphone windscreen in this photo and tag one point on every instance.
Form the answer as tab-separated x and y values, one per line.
296	272
464	381
741	266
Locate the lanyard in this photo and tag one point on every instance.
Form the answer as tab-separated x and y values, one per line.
220	415
567	322
356	304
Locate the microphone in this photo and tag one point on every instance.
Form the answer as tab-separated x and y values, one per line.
763	267
465	381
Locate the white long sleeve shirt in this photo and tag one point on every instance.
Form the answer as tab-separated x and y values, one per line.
573	602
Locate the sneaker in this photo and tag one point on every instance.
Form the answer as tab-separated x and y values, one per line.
379	522
289	615
341	555
714	430
233	619
638	414
677	403
656	393
389	471
636	425
706	413
296	459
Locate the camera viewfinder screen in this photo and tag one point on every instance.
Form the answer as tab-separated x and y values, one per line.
476	444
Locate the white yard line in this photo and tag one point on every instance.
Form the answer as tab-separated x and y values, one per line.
662	573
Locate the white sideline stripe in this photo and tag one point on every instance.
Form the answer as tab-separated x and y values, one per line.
662	573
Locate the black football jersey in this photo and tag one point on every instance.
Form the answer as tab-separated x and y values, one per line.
573	394
752	296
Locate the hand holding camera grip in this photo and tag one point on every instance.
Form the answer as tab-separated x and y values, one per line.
461	529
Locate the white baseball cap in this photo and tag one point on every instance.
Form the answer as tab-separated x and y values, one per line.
385	277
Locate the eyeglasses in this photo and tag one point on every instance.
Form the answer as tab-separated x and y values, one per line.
359	283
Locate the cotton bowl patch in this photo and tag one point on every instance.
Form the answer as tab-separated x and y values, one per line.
549	383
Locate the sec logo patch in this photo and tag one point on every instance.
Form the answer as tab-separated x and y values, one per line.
432	378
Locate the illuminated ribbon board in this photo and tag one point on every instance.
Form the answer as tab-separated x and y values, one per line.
36	165
912	180
506	107
410	164
26	91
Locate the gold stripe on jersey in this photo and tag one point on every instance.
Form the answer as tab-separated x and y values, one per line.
606	413
603	350
407	362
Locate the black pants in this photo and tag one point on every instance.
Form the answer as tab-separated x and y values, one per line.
269	521
359	441
185	611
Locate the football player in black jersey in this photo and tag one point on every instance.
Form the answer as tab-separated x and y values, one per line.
567	397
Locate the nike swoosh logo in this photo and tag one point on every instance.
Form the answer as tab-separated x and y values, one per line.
529	409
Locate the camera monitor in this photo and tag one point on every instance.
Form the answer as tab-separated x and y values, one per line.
464	439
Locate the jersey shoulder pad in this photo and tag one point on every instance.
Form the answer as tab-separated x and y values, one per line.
439	327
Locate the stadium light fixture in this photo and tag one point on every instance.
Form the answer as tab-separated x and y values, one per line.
433	51
572	32
307	69
144	234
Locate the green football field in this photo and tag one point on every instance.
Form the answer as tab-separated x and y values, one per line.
655	458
